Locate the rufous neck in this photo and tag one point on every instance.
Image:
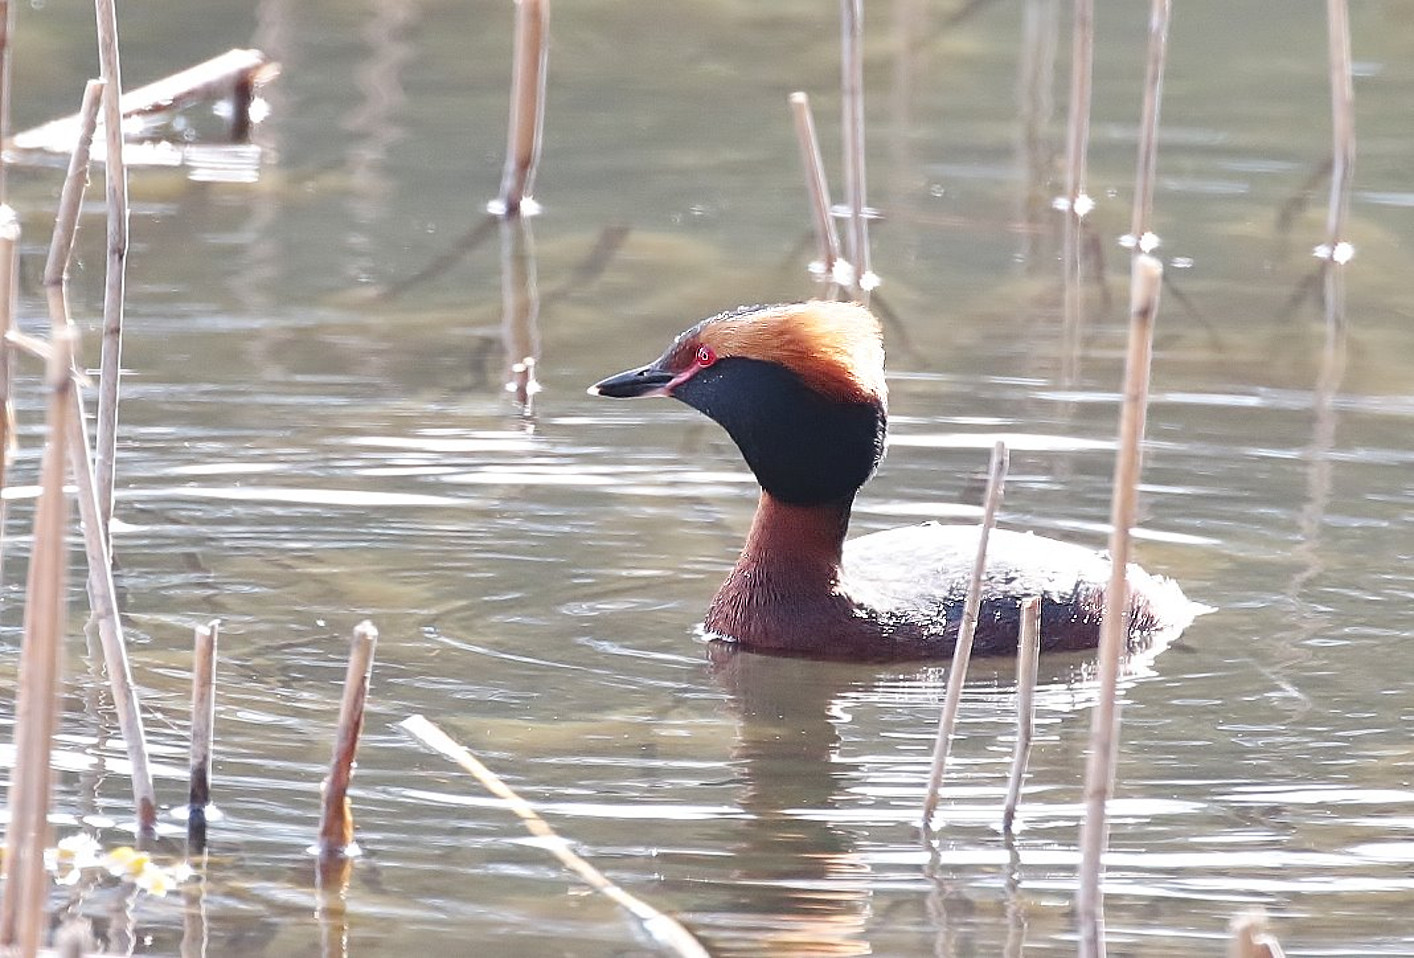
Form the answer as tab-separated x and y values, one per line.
806	540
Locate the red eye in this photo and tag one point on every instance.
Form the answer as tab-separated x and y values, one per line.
705	356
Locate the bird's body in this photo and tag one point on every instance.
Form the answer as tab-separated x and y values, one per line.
800	389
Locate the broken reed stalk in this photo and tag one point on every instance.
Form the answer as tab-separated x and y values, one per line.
1251	939
1145	281
962	651
102	595
1082	62
826	236
852	121
22	911
115	177
216	78
1141	224
1342	123
203	730
1028	654
336	819
664	929
532	47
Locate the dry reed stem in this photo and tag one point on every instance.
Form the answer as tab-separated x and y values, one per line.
7	30
101	592
1082	62
66	219
1028	649
1146	280
22	911
1250	938
523	138
336	819
664	929
103	601
962	652
1141	223
1342	123
852	120
203	728
116	183
826	236
9	303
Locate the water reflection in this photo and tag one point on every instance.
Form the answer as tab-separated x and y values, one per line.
797	884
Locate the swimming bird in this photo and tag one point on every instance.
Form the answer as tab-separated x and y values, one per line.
800	389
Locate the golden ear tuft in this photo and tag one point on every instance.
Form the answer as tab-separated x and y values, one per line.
836	348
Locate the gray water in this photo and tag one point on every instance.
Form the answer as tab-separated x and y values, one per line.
299	453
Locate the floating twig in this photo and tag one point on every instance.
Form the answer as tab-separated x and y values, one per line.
203	728
235	74
664	929
852	120
1145	282
827	237
102	595
532	47
115	177
962	651
22	912
336	819
1028	648
1140	226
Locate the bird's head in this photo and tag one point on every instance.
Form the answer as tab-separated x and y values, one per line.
799	388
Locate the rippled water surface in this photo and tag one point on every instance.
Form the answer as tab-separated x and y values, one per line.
315	431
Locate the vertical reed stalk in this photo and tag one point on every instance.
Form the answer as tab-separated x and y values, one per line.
1141	223
1028	649
962	652
826	236
1145	282
7	30
1082	62
22	917
1342	126
203	729
852	120
102	595
336	820
9	303
116	182
532	47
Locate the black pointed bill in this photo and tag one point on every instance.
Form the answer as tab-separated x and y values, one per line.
634	383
